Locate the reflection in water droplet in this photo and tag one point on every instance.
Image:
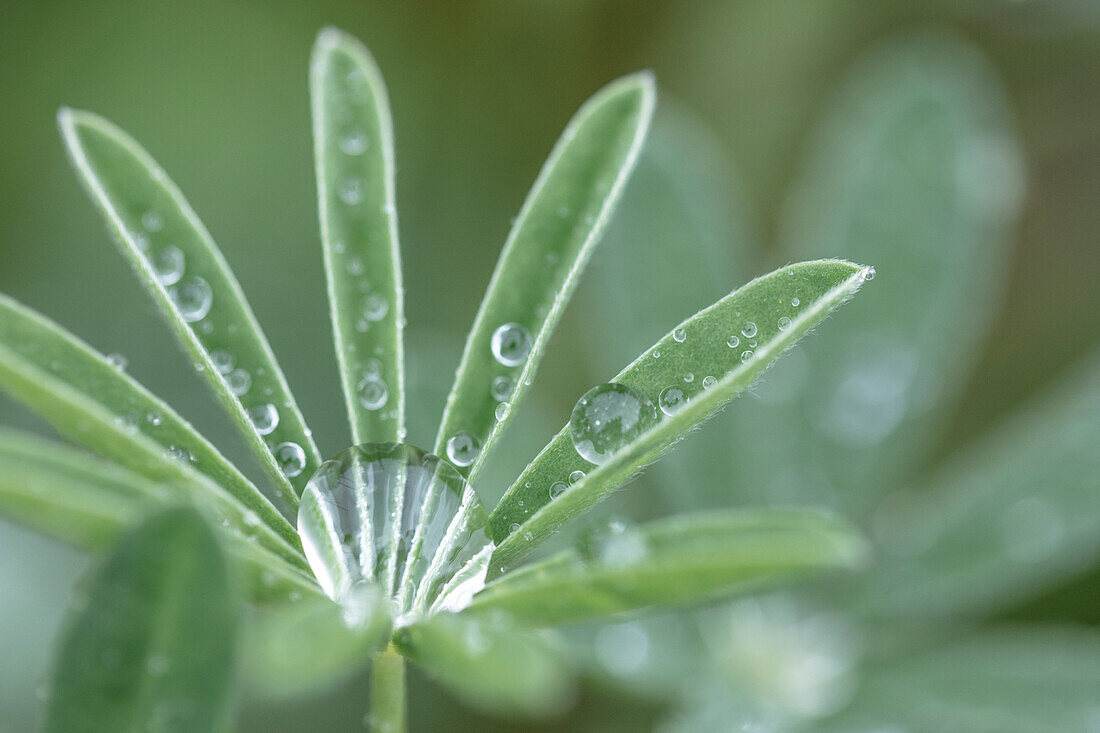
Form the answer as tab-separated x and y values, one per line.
501	411
733	342
557	489
193	298
749	330
576	476
501	388
291	458
168	265
462	448
511	343
607	418
709	382
265	418
784	323
379	513
671	399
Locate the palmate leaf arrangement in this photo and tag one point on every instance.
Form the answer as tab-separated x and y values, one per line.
393	555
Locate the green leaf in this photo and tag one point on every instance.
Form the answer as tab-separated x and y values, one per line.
187	276
763	318
312	645
683	560
1007	519
488	664
29	340
547	248
917	168
1026	680
353	148
69	495
152	648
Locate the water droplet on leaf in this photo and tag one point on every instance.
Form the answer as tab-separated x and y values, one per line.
511	343
607	418
462	448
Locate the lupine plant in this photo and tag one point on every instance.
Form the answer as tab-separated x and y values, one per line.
385	552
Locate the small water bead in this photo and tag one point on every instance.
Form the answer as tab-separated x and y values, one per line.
511	343
183	455
152	222
869	273
153	419
656	355
168	265
557	489
749	330
671	399
689	377
375	307
501	388
362	511
118	361
709	382
350	191
291	458
745	356
733	342
576	476
679	335
513	527
354	266
607	418
265	418
355	142
193	298
239	382
501	411
373	393
796	302
784	323
462	448
223	361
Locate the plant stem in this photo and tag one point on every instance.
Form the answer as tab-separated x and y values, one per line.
387	714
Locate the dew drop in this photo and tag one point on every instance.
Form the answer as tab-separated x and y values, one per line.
375	307
373	393
607	418
153	419
265	418
557	489
501	388
372	367
168	265
462	448
501	411
152	222
796	302
671	399
183	455
511	343
576	476
784	323
733	342
355	142
192	297
350	191
223	361
513	527
118	361
291	458
869	273
679	335
709	382
745	356
749	330
689	377
354	266
239	382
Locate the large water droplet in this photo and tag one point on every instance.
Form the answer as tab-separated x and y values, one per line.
373	393
511	343
462	448
265	418
168	265
607	418
192	297
291	458
379	513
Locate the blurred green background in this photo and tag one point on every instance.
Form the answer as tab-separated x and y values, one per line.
480	90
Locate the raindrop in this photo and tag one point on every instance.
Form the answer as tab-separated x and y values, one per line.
501	411
223	361
168	265
375	307
576	476
118	361
291	458
350	191
679	335
749	330
557	489
501	388
152	222
373	393
511	343
745	356
192	297
239	382
462	448
265	418
784	323
671	400
607	418
354	143
733	342
709	382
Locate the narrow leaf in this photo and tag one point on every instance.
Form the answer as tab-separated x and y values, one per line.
28	338
353	149
691	373
547	248
1006	520
687	559
72	496
187	276
314	644
488	664
153	647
